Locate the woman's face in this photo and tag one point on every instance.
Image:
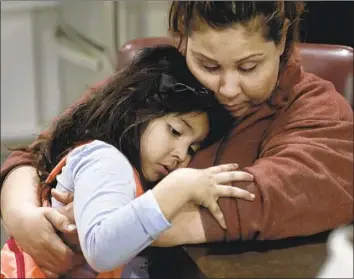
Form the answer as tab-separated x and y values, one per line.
236	63
169	143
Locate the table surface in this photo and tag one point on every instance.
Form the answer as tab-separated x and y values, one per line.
290	258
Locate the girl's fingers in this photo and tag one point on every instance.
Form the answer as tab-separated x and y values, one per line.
63	197
227	177
234	192
217	213
222	168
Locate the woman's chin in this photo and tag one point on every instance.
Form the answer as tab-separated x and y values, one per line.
239	112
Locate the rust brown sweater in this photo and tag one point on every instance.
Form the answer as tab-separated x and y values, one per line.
298	146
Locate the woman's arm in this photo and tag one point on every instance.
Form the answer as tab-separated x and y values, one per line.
187	228
27	223
304	174
12	195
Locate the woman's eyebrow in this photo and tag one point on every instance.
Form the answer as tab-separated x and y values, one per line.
198	54
203	56
249	56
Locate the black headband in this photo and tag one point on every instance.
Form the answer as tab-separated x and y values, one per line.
168	83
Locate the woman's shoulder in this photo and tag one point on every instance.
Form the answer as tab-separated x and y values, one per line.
315	98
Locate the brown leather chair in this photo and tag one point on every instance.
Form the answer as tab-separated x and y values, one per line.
330	62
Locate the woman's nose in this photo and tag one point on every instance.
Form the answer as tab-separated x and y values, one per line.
229	88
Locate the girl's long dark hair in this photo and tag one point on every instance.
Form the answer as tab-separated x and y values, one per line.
156	83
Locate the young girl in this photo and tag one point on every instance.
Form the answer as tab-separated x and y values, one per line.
133	134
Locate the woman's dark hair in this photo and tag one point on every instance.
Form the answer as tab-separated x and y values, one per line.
156	83
185	16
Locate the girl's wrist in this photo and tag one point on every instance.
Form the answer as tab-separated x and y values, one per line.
171	196
180	188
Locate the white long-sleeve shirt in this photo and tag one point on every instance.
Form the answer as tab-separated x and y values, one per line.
113	225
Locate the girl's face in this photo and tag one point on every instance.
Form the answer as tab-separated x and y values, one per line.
237	63
169	143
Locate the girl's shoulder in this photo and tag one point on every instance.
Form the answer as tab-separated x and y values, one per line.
97	154
93	146
96	147
94	162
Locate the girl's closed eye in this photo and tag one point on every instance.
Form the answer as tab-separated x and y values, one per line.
174	132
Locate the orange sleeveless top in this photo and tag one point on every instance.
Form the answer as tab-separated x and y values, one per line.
15	263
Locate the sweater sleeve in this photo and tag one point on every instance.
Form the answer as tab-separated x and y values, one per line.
20	158
303	175
113	225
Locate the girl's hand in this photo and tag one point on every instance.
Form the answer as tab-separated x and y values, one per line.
206	186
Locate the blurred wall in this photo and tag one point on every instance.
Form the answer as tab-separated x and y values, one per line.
37	83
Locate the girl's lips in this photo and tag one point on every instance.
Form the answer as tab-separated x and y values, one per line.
162	170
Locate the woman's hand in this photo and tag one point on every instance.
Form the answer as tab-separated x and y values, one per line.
206	186
32	226
33	230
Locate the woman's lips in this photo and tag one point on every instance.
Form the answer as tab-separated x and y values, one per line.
237	110
236	107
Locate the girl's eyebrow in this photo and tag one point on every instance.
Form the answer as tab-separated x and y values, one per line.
187	124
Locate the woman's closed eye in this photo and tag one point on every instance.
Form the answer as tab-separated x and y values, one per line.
248	67
210	67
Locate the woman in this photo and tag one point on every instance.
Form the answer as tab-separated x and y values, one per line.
293	131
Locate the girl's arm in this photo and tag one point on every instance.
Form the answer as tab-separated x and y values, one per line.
112	225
